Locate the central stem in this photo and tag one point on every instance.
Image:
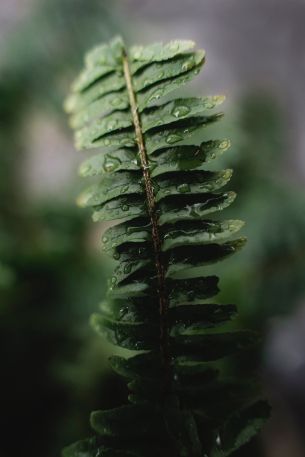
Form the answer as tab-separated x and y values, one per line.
151	203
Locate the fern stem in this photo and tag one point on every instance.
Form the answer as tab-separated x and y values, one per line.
149	188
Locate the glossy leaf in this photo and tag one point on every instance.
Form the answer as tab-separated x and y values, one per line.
120	208
110	162
177	132
109	188
127	232
191	183
154	73
205	232
127	422
104	105
178	109
161	194
183	158
191	261
190	208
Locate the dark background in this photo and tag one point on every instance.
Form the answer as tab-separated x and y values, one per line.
52	275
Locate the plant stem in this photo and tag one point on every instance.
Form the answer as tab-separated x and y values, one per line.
163	299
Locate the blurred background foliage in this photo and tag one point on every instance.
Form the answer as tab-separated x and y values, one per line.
52	275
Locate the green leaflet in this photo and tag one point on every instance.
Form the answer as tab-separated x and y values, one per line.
131	266
105	54
154	93
161	197
240	428
176	110
84	448
146	365
207	347
116	139
121	208
199	182
178	131
191	261
114	101
182	158
200	233
109	162
90	76
136	336
134	232
110	83
130	310
193	209
192	291
127	421
133	289
197	317
153	74
109	188
158	52
98	128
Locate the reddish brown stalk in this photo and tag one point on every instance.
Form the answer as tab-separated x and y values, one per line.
151	203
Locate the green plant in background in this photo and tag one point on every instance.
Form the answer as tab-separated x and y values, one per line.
267	278
44	249
158	302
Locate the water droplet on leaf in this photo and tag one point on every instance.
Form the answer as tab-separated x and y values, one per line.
180	111
174	138
187	65
183	188
116	101
127	269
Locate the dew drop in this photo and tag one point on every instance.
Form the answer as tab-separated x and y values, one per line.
104	239
173	139
127	142
125	208
180	111
174	46
155	96
110	165
209	105
218	441
84	169
183	188
125	188
106	142
127	269
116	101
116	256
187	65
224	144
112	125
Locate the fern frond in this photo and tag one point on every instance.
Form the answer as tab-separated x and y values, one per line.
163	197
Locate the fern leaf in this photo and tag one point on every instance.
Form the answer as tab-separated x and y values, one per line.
163	198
